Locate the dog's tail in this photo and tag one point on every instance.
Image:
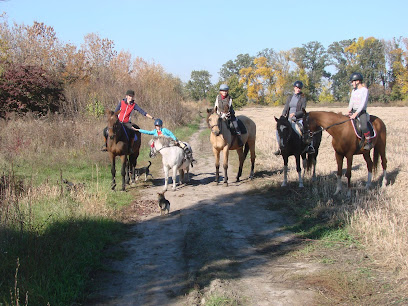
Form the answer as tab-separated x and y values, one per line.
150	163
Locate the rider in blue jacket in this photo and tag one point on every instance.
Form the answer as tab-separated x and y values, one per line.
161	131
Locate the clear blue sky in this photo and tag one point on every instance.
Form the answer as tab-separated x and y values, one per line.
183	36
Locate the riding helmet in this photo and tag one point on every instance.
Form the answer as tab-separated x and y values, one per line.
356	76
158	122
224	87
130	93
298	84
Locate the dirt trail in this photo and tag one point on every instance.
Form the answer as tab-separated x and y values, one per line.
217	241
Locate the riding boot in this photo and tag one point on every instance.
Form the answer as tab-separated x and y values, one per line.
104	147
368	145
278	152
238	132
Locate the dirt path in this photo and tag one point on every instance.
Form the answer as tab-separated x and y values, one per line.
217	242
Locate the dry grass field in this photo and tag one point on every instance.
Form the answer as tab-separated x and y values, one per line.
379	217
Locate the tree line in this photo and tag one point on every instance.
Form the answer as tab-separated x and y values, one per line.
269	75
41	74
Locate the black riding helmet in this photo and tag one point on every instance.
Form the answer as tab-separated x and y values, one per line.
356	76
298	84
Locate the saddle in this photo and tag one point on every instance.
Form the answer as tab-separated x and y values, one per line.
357	128
241	126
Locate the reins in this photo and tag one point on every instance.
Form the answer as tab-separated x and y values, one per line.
325	129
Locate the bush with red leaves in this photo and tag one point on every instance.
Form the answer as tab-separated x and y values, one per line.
28	88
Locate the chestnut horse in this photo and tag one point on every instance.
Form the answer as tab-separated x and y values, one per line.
222	140
346	144
118	145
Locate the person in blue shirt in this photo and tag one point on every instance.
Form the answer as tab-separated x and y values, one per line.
161	131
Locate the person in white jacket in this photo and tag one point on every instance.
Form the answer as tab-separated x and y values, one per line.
358	106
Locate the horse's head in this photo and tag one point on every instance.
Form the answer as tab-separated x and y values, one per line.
113	123
213	121
284	129
159	142
307	135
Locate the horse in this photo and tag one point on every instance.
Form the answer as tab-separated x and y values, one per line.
118	145
173	158
290	143
346	144
222	139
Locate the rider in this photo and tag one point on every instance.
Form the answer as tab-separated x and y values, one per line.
293	110
160	130
358	106
126	107
223	105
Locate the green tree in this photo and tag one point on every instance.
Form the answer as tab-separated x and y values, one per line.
199	84
313	58
231	68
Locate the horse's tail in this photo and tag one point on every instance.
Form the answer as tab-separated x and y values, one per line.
246	150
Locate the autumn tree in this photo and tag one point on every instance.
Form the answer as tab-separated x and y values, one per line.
28	88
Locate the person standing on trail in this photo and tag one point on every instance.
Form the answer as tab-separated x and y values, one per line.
126	107
161	131
224	108
293	111
357	107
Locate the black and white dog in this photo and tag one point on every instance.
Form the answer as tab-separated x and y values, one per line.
143	170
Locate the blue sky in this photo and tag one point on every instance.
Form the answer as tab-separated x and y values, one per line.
183	36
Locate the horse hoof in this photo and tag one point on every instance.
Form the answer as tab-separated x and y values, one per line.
283	185
301	186
215	183
133	184
113	186
237	181
225	184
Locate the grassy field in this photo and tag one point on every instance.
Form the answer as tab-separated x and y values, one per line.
52	237
375	220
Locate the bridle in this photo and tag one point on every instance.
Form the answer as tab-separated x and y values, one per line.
321	130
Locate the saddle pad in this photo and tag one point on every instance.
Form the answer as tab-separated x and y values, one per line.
357	130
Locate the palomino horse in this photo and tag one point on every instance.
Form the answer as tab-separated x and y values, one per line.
290	143
118	145
173	158
346	144
222	140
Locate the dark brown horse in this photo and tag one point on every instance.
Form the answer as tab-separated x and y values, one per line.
290	143
118	145
347	144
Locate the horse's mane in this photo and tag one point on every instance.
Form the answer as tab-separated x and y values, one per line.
165	141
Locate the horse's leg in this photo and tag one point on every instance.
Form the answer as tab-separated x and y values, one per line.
348	174
285	171
314	161
113	171
225	165
299	170
304	164
339	159
217	165
123	171
181	176
241	162
166	177
251	144
174	177
369	162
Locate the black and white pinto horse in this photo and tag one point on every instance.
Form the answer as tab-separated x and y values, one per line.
291	143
